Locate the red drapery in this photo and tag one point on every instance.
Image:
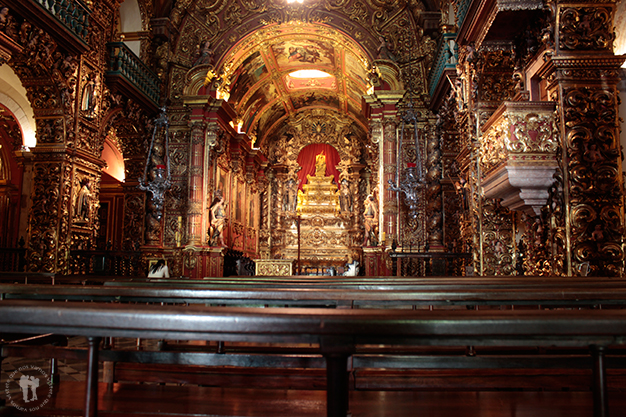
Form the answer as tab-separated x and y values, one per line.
306	159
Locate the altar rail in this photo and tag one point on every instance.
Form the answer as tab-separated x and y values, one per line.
337	332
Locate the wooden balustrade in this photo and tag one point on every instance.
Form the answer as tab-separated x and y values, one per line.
128	73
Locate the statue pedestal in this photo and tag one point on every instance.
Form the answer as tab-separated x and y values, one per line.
374	262
319	197
216	262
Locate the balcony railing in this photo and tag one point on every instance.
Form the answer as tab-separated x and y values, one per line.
68	21
126	65
445	59
73	13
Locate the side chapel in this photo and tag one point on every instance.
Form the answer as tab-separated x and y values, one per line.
317	133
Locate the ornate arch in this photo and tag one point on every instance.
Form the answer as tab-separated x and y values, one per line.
318	126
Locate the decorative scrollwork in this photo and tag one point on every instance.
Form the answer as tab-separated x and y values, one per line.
594	180
586	28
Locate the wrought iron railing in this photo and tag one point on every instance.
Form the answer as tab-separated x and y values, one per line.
74	15
424	264
123	62
12	259
106	262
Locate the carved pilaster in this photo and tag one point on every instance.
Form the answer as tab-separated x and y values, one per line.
134	209
50	213
582	76
388	198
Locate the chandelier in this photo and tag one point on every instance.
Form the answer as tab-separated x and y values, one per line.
413	180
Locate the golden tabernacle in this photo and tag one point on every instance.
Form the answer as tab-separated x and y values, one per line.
320	193
324	238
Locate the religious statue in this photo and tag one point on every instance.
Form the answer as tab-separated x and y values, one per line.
370	220
462	188
83	201
90	92
383	50
4	18
320	165
217	212
7	23
345	197
290	196
205	55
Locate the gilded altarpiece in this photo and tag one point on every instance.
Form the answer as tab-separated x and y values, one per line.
330	231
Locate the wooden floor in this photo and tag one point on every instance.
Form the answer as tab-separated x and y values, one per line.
154	400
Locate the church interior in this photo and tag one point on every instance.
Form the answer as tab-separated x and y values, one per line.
488	148
476	143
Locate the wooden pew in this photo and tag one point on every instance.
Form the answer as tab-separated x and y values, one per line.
27	277
555	295
49	278
338	332
481	292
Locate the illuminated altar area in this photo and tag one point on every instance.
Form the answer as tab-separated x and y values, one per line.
322	238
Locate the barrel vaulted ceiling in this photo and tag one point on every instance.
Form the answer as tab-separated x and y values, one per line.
257	45
264	84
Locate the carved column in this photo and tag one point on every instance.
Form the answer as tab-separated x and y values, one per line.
196	192
582	76
265	233
434	204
